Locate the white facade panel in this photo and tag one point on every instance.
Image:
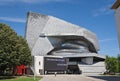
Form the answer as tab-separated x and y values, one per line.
38	64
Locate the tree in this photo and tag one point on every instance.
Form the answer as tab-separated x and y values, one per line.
118	58
111	64
14	50
24	51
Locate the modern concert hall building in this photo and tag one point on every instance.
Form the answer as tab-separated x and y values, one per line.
62	47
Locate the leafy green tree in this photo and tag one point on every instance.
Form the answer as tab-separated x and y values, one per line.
118	58
111	64
14	50
107	63
24	52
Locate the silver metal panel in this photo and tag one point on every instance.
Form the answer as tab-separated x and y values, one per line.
57	32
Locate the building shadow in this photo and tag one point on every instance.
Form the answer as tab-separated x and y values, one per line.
108	78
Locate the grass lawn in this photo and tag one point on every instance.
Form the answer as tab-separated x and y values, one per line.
21	78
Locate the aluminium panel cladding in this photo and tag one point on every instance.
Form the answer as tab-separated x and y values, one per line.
39	25
117	15
80	55
58	27
96	68
35	25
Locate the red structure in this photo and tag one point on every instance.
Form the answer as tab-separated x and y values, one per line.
21	70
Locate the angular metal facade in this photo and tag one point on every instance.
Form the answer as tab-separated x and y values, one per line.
50	36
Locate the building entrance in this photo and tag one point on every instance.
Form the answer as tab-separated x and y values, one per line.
73	69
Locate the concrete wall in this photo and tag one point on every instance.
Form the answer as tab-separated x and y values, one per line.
117	15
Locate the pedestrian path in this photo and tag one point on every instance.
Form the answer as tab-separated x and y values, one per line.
68	78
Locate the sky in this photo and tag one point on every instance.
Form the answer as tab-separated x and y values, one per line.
94	15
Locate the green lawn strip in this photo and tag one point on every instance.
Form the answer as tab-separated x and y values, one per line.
22	78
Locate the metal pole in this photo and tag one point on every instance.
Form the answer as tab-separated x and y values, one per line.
34	76
34	68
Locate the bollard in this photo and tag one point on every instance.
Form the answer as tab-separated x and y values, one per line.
55	74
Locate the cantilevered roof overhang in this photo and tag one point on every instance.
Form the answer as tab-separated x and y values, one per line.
76	37
80	55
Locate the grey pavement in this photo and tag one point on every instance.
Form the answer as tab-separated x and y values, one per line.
68	78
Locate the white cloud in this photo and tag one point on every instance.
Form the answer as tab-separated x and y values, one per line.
40	1
20	20
106	40
4	2
103	10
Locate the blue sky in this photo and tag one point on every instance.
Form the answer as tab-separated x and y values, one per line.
94	15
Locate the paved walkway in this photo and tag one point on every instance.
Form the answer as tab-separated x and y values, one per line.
68	78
